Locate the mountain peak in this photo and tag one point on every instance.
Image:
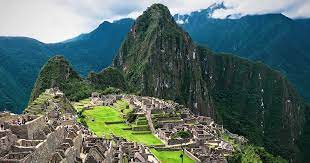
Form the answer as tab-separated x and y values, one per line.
157	14
202	14
57	72
157	10
155	53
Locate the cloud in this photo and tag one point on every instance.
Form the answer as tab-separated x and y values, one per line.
57	20
289	8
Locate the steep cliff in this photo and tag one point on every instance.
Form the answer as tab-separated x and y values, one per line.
255	101
159	59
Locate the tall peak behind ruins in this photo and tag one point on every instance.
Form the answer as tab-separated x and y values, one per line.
159	59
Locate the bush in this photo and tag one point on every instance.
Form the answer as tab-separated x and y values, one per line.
131	117
183	134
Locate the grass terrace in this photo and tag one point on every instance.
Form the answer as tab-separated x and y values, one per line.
103	120
171	156
81	104
123	107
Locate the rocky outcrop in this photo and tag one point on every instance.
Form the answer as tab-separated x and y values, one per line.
159	59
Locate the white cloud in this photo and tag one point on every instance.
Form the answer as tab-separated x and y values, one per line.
57	20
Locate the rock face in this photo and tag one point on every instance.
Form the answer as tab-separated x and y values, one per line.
159	59
255	101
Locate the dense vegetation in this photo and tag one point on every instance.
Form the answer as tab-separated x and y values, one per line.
21	59
254	154
274	39
57	72
109	77
255	101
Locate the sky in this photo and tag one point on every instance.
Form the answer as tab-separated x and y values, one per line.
58	20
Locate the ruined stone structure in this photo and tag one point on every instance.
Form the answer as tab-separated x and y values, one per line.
55	136
39	139
168	118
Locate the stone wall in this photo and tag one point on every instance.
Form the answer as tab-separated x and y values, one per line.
29	129
19	130
77	143
35	126
70	155
46	149
190	155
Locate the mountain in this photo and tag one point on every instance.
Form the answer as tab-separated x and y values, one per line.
57	72
274	39
95	50
108	77
21	59
159	59
202	14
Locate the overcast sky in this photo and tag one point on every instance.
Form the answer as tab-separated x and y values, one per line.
58	20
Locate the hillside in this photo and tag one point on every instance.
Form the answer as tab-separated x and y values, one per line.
21	59
274	39
159	59
253	100
57	72
95	50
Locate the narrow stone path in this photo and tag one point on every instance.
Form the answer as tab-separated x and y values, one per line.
149	120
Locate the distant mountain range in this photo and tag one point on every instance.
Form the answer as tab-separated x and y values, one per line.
21	59
272	38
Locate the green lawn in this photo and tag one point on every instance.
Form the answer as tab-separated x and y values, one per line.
96	118
122	106
81	104
171	156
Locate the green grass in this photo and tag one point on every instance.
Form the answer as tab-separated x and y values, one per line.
171	156
97	117
78	106
121	106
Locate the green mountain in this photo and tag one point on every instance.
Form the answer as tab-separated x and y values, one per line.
274	39
159	59
108	77
57	72
95	50
21	59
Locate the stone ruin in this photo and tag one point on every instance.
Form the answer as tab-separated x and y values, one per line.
38	140
57	137
168	118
